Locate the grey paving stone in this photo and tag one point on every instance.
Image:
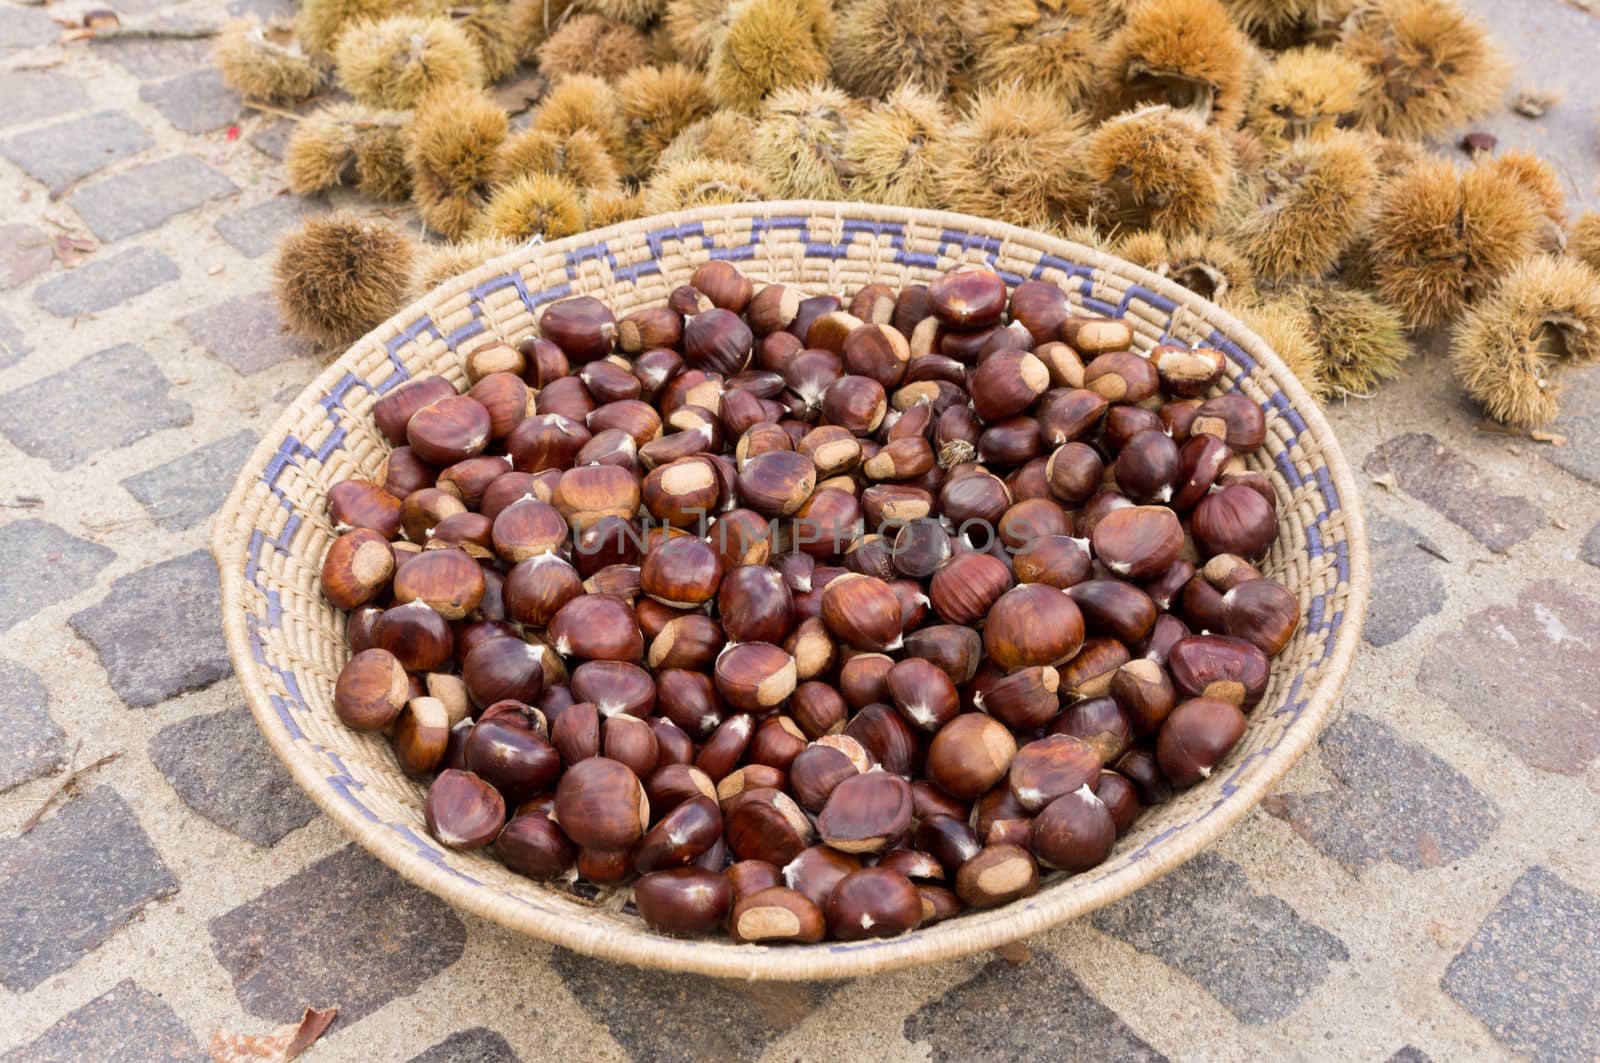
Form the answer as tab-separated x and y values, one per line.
246	332
186	490
129	1024
31	744
32	95
158	631
1251	951
255	231
150	60
1407	584
111	399
13	344
686	1017
142	198
23	27
70	883
1526	675
1532	971
224	770
1035	1010
102	283
1410	1054
196	102
477	1045
272	138
44	565
25	252
346	930
1396	801
67	151
1591	546
1442	479
1580	423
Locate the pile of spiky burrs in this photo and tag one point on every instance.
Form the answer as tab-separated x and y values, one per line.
1274	155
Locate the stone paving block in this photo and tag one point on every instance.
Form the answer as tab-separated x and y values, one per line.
1251	951
196	102
32	95
246	332
477	1045
70	883
44	565
129	1024
255	231
1436	475
272	138
346	930
1406	582
1532	971
1580	423
686	1017
67	151
1397	801
224	770
110	399
102	283
31	744
22	27
186	490
1035	1010
158	631
1591	546
13	344
1410	1054
1526	674
141	199
150	60
25	252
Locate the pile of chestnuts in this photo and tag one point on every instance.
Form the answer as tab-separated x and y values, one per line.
808	618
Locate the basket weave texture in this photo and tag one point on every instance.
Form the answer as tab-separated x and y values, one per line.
287	643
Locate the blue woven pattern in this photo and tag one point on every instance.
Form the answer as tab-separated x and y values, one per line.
290	527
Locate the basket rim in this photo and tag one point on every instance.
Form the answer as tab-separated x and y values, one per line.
229	547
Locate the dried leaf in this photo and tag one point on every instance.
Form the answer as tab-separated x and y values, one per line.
1387	481
70	250
1555	439
280	1046
1533	102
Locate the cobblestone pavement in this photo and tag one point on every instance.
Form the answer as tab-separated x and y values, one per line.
1424	885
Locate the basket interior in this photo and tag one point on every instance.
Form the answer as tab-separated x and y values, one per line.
288	644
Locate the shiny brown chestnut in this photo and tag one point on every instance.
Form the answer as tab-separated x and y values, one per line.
419	637
1114	609
581	326
1101	723
597	627
923	693
1234	520
970	755
392	412
508	752
449	430
679	836
873	902
817	870
1032	624
447	580
371	690
755	676
1139	542
1149	468
1235	418
600	804
1121	799
862	612
726	747
1122	376
503	668
463	811
968	587
1196	737
1088	674
364	504
776	914
531	845
1219	666
421	736
998	874
866	813
857	403
766	824
952	648
1187	372
683	901
1143	690
1261	611
1074	832
1055	560
1045	769
968	299
818	709
357	568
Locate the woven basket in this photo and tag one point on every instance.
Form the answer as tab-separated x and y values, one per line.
287	643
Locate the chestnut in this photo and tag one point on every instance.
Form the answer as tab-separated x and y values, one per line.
546	441
503	668
690	700
582	327
755	676
1074	832
600	804
717	341
1122	376
1261	611
683	901
371	690
857	403
817	708
1140	767
1045	769
776	914
1007	383
817	870
1068	415
872	902
1092	336
629	740
463	811
1114	609
1100	722
1234	520
766	824
575	734
363	504
421	736
508	752
357	568
721	282
1149	468
393	411
1195	738
863	612
1075	472
811	647
1219	666
1088	674
448	580
1056	560
1144	692
968	299
423	509
419	637
970	754
1023	700
1233	417
1032	624
866	813
953	649
597	627
690	641
1121	799
615	687
967	587
1187	372
531	845
726	746
585	495
776	483
672	784
449	430
924	694
537	588
998	874
680	835
818	768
